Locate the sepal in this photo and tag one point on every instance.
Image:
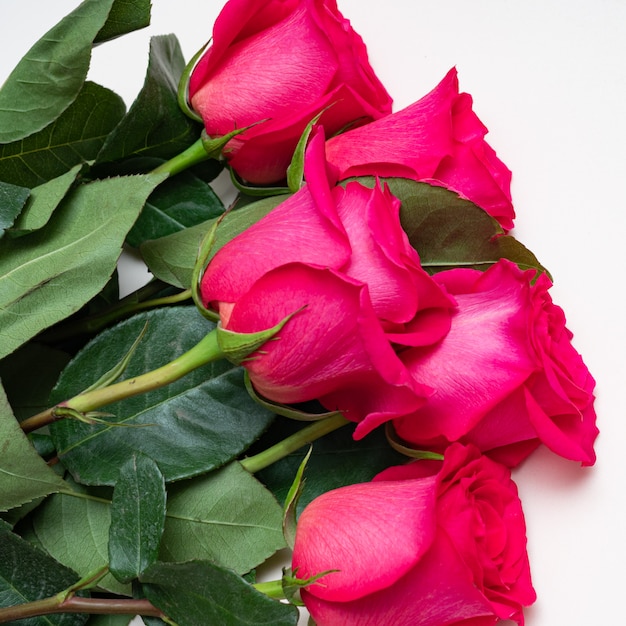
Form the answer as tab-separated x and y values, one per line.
238	347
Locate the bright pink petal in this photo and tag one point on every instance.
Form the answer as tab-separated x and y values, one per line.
438	139
262	154
438	591
297	230
485	356
330	346
292	49
417	138
373	533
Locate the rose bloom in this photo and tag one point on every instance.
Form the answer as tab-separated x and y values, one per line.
339	261
281	62
438	139
507	376
424	544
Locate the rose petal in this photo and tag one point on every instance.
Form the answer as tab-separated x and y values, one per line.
373	532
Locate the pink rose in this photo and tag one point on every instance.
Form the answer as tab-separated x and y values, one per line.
283	61
506	375
340	259
438	139
425	544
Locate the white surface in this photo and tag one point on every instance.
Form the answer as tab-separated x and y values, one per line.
548	78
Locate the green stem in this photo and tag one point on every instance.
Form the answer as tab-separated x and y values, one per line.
271	588
75	604
196	153
202	353
294	442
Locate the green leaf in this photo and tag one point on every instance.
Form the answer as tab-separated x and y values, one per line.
125	17
74	137
44	199
291	502
172	258
28	388
233	519
74	530
137	518
336	460
27	574
199	593
12	201
69	261
24	475
51	74
448	231
155	125
109	620
191	426
177	204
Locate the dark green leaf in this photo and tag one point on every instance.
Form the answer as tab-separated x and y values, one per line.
51	74
43	201
448	231
137	518
125	16
200	593
233	519
68	262
74	530
24	475
177	204
12	201
191	426
172	258
74	137
336	460
27	574
109	620
28	388
155	125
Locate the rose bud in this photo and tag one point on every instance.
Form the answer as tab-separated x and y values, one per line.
424	544
438	139
339	261
282	63
507	376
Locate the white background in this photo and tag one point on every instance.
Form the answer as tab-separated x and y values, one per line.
548	78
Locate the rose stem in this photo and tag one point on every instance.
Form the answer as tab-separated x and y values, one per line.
294	442
206	351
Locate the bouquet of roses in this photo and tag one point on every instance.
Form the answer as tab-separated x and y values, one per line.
341	367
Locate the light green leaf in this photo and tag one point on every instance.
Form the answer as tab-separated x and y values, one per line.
47	80
43	200
155	126
190	426
137	518
24	475
233	519
27	574
70	260
74	530
74	137
200	593
12	201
